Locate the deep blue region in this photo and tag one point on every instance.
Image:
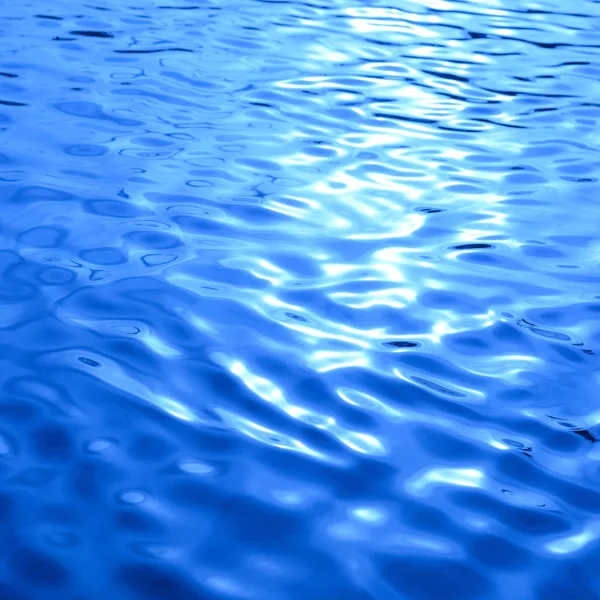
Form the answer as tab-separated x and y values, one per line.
299	300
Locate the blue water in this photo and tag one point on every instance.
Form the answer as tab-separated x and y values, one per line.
299	300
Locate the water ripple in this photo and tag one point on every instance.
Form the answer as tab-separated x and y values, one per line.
300	300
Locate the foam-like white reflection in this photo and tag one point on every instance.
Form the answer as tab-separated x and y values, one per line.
265	435
574	543
370	514
360	442
158	346
379	19
505	366
393	297
259	267
111	373
259	385
368	402
268	391
420	484
405	227
324	361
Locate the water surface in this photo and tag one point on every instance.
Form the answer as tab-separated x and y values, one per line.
299	300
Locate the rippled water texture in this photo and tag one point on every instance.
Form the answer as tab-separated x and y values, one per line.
299	301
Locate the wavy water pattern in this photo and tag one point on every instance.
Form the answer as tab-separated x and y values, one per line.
300	300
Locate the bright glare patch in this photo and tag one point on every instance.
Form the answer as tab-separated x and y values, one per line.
573	543
419	485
